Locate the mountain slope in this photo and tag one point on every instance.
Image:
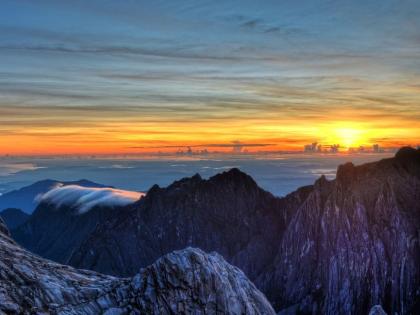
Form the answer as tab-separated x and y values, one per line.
228	213
338	246
25	197
13	217
354	242
54	233
66	216
187	281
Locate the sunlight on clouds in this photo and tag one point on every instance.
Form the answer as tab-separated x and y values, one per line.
196	75
86	198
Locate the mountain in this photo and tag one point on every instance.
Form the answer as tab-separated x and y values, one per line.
228	213
26	198
65	217
188	282
13	217
354	242
336	247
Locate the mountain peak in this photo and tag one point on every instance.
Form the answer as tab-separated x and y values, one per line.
345	172
408	153
234	175
197	177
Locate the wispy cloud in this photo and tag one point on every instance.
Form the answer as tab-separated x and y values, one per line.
122	74
85	198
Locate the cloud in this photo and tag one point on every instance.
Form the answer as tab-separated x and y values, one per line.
7	169
233	144
86	198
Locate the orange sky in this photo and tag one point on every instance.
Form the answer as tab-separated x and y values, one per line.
277	133
354	114
149	76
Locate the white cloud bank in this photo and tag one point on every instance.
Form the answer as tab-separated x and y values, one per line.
86	198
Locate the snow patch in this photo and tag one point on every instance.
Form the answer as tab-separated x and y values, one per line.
86	198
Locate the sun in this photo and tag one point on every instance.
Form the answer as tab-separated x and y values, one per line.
349	137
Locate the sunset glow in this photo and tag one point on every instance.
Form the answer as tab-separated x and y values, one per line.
157	77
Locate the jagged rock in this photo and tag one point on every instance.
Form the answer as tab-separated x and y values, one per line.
183	282
229	214
337	247
355	245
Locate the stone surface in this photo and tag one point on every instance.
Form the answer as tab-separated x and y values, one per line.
183	282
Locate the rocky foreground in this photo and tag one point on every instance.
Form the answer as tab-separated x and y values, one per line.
183	282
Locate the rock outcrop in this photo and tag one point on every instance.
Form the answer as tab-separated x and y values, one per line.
354	242
182	282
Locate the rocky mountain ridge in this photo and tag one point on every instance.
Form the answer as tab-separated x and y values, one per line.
335	247
187	282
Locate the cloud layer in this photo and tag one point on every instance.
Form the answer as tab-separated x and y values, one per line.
86	198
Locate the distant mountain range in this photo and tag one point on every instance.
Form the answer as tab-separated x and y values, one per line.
335	247
25	198
182	282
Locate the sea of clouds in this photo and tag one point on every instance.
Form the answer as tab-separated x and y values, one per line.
277	173
86	198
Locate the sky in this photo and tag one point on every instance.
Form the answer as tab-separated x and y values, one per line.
92	77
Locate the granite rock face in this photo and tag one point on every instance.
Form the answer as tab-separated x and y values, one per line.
336	247
182	282
354	242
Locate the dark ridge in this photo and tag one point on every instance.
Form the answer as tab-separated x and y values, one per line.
408	154
197	177
14	217
233	175
321	181
345	172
